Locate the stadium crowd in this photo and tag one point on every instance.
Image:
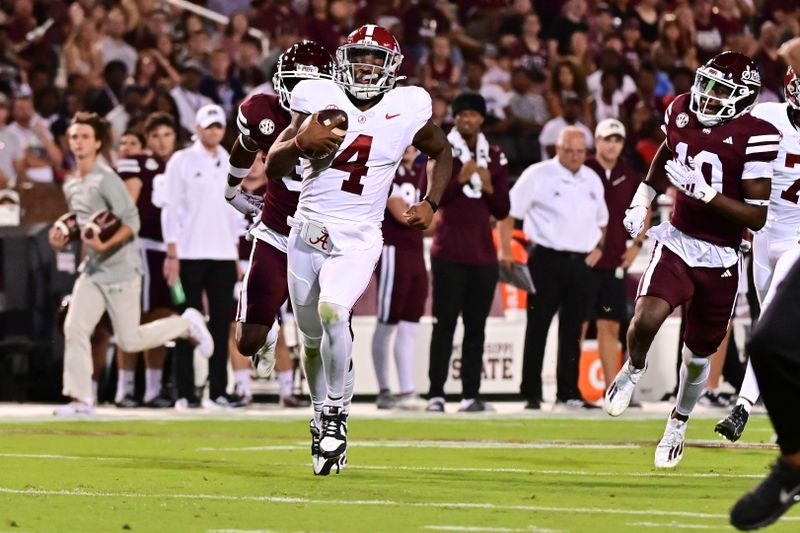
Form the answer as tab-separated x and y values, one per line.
540	67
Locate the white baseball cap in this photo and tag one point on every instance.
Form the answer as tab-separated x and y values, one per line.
208	115
608	127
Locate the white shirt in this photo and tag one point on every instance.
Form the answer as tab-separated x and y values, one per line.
196	216
118	50
29	140
559	209
349	189
593	84
553	127
10	150
188	103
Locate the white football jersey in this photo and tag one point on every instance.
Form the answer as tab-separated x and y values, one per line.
784	208
353	185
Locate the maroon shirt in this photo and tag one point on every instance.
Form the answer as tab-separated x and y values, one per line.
406	185
145	168
620	187
463	234
722	152
262	118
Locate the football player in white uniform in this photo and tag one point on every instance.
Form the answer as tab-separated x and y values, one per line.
336	238
775	247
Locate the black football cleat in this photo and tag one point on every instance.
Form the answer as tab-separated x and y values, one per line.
769	500
732	426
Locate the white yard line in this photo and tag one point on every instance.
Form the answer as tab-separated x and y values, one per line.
670	525
479	529
369	503
462	444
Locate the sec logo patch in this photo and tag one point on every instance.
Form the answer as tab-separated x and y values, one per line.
682	120
266	126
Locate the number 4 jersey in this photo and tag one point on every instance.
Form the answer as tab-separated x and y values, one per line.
727	154
352	185
784	211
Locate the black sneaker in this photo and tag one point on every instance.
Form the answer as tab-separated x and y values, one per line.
293	402
533	404
575	403
476	406
435	405
159	402
322	466
769	500
128	402
732	426
333	437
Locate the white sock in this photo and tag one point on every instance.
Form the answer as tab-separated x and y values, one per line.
337	344
242	380
95	386
152	383
349	385
285	383
380	353
125	383
694	375
315	376
404	348
749	393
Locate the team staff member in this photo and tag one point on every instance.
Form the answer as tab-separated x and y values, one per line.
110	278
607	299
202	231
463	256
561	203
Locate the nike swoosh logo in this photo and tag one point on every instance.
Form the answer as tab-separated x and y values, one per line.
606	309
785	496
390	117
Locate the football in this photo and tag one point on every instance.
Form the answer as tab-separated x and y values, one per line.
326	117
103	223
67	224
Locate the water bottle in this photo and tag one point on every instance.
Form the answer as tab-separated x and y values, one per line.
177	294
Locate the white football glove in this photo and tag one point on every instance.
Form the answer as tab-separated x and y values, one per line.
689	180
244	202
634	220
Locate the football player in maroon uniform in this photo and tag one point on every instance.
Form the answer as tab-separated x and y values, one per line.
718	157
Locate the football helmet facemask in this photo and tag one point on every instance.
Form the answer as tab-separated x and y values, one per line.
306	60
368	62
726	87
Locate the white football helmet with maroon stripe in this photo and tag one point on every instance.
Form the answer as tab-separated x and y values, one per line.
368	62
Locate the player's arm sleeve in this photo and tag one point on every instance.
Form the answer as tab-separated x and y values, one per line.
128	169
119	202
170	212
499	202
667	116
761	149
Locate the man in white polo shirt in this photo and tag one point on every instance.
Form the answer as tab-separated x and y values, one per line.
560	204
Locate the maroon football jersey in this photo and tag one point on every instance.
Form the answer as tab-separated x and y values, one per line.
262	119
406	185
723	153
620	187
146	168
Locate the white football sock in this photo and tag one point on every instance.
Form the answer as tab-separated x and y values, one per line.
242	380
380	353
404	345
749	392
125	383
315	376
337	344
285	383
95	386
152	384
349	385
693	377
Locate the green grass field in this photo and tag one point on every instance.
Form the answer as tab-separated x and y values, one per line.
406	474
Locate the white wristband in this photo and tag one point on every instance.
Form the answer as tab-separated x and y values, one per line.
644	196
237	172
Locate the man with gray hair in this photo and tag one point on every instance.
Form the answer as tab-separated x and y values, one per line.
560	205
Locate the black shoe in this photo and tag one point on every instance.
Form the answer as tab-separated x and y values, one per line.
333	437
435	405
533	404
159	402
476	406
294	402
193	402
322	466
732	426
576	403
227	401
128	402
769	500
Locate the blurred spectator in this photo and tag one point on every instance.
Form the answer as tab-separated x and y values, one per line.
528	50
632	45
113	45
131	143
323	28
42	155
769	64
150	30
610	59
196	48
708	34
234	32
567	78
128	113
512	23
601	25
229	7
560	204
645	12
247	68
572	19
440	112
494	95
572	111
646	79
106	98
527	113
22	20
674	46
463	256
9	62
187	95
278	17
48	104
81	53
12	152
580	53
421	22
609	104
222	85
151	69
437	71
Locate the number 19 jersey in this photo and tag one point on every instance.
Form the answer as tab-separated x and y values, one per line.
352	185
740	149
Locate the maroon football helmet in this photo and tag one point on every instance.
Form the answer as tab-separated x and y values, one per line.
791	88
368	61
726	87
305	60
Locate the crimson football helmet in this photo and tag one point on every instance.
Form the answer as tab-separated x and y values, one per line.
726	87
306	60
791	88
368	62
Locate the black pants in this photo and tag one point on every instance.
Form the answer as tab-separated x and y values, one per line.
775	353
216	279
469	291
562	281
